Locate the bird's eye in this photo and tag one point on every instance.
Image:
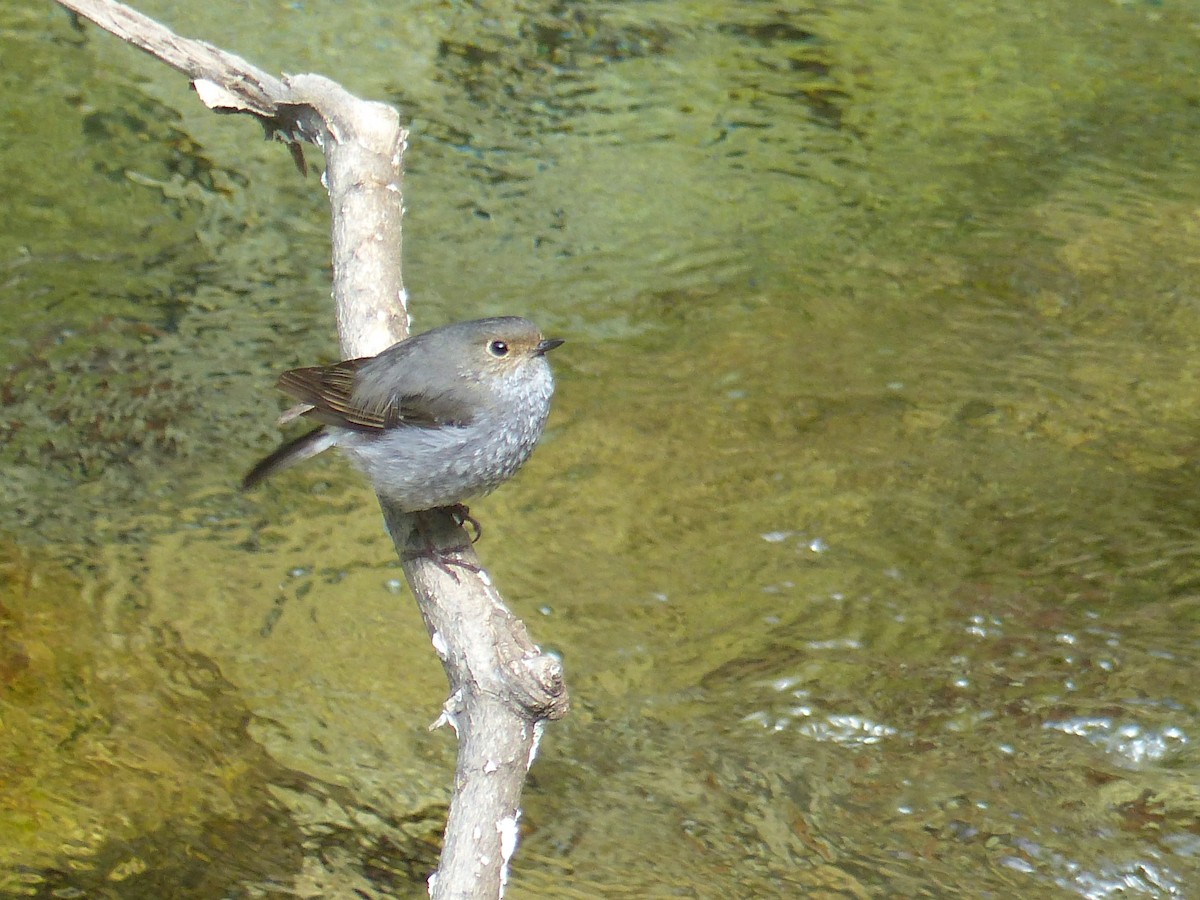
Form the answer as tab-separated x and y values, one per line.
498	349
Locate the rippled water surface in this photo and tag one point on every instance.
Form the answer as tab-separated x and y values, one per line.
867	522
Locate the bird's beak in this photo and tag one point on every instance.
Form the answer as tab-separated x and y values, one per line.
549	344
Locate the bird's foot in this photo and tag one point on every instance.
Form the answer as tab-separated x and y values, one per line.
445	558
462	515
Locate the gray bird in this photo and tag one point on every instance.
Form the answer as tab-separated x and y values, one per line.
433	420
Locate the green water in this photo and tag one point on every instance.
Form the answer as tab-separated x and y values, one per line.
867	521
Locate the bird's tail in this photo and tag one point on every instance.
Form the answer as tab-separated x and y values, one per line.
304	447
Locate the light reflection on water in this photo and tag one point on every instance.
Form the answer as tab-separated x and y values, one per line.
866	521
1129	743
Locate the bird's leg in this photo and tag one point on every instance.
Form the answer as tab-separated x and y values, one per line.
440	557
462	514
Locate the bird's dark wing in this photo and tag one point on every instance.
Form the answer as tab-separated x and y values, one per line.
337	396
328	390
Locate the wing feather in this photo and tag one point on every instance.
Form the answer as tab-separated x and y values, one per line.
336	396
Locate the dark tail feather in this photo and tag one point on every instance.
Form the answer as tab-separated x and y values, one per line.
304	447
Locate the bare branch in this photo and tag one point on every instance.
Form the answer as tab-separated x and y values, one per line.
502	687
224	81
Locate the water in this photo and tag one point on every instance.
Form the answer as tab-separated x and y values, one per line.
866	520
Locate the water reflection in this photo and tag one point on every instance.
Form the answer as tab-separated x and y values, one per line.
866	521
